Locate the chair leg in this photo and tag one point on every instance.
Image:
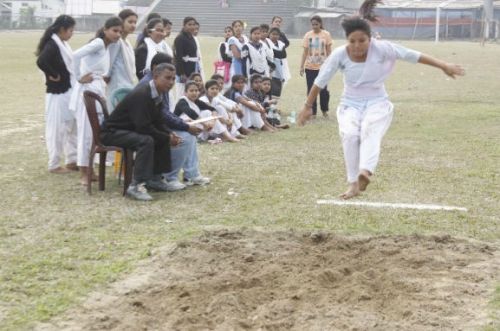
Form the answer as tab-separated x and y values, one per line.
102	170
89	171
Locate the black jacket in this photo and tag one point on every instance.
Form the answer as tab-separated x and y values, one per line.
184	45
50	61
138	112
182	107
141	55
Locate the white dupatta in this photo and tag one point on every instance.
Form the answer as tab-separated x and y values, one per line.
128	57
67	56
154	48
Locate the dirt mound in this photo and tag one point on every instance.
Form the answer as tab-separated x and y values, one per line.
249	280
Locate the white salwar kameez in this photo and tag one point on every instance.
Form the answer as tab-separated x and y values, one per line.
92	58
60	124
365	112
217	129
223	109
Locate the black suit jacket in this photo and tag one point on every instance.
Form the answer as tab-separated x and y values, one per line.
139	112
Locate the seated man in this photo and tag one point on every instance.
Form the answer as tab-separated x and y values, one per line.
138	123
185	155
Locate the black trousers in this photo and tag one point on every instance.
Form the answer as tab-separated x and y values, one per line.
151	157
324	94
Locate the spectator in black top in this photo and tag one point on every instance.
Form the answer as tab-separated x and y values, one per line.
185	54
138	123
276	23
55	59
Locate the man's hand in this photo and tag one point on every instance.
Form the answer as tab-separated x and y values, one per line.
194	130
174	139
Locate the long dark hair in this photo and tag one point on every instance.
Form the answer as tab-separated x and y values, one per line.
62	22
110	22
360	22
145	33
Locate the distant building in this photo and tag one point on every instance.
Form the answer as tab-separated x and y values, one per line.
29	13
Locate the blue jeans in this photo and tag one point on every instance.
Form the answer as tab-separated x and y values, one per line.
184	156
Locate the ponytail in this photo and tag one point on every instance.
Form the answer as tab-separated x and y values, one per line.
62	22
366	11
360	22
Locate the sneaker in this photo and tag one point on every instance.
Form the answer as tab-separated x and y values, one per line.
157	185
198	180
175	185
139	192
325	114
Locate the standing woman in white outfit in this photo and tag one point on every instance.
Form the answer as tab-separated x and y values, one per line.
236	43
122	69
365	112
55	59
91	64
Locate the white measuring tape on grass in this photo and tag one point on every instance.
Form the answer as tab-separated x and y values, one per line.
390	205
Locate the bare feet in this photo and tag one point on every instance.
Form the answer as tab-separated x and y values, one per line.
245	131
72	166
351	192
59	171
83	175
364	179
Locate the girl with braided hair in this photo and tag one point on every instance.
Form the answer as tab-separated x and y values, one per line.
365	112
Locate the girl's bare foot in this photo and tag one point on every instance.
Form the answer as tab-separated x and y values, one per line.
83	175
364	180
72	166
59	170
351	192
245	131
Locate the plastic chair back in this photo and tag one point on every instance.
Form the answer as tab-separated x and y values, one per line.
118	95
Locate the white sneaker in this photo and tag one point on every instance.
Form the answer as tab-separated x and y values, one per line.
199	180
175	185
139	192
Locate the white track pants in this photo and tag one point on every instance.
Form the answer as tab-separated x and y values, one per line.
60	129
361	130
251	118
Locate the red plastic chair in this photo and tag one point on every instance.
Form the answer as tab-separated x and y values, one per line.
90	99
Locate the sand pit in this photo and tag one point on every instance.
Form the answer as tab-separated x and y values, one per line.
251	280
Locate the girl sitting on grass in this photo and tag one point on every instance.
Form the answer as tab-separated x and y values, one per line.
270	105
211	98
253	111
190	108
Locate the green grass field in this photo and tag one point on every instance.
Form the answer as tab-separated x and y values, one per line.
57	243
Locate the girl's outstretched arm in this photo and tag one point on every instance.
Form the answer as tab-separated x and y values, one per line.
449	69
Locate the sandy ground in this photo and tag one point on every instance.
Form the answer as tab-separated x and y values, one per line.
253	280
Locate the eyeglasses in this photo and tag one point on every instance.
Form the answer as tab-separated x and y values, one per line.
157	30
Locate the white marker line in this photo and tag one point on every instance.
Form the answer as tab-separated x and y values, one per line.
390	205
